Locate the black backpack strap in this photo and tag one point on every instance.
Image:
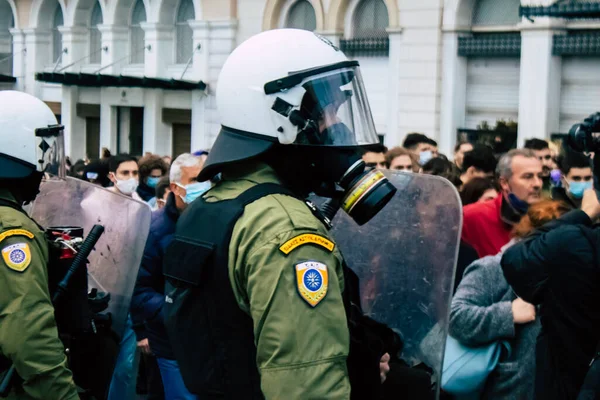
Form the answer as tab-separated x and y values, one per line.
262	190
11	204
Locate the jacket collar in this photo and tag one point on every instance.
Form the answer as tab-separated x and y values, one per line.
171	210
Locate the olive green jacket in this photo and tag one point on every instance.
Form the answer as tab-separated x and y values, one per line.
301	337
28	334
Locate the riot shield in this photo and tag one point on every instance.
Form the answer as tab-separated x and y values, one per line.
405	258
114	264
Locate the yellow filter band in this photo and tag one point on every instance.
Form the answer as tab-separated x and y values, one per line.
360	189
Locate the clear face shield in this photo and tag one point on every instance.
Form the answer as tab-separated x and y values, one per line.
51	151
334	112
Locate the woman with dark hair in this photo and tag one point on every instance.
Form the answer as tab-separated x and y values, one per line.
96	172
152	169
440	166
478	190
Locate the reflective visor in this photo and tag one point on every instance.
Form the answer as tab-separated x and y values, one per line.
334	110
51	150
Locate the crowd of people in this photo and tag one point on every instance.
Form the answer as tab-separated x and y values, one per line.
242	291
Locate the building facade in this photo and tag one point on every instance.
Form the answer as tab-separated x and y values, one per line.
140	75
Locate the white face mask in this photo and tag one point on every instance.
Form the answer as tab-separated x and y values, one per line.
127	186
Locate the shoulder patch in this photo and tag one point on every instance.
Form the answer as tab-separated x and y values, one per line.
306	238
17	256
13	232
312	281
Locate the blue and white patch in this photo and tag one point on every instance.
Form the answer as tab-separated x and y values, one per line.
312	281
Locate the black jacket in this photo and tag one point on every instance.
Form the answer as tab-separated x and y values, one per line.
557	267
148	296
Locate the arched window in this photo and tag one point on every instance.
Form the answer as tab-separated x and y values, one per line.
138	54
371	19
56	35
185	42
302	16
494	12
95	36
6	22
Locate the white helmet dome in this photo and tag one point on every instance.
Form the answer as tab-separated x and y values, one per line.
279	82
24	120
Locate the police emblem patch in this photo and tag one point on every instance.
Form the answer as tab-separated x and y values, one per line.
312	281
17	256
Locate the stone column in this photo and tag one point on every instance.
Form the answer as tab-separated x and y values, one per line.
454	92
160	48
157	134
18	60
37	43
74	125
393	134
75	45
540	80
115	39
199	69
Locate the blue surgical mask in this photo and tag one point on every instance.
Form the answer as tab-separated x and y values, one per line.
152	181
578	188
519	205
194	190
425	156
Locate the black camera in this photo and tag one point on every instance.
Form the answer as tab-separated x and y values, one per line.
585	137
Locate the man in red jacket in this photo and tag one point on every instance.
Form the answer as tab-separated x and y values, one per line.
487	226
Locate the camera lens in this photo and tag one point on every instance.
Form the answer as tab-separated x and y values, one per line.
578	138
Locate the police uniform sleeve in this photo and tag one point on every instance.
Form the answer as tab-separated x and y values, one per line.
28	334
300	327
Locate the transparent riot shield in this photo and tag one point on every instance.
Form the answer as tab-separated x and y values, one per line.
405	258
114	264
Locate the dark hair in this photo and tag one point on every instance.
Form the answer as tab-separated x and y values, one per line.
472	191
413	139
100	168
78	167
150	162
444	168
481	158
536	144
457	147
161	187
105	153
572	159
401	151
115	161
375	148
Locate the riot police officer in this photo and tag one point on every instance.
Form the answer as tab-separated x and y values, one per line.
29	145
256	301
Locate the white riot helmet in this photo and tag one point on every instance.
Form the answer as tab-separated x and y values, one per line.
279	87
30	137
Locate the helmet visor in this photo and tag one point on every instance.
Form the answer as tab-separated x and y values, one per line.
51	150
335	111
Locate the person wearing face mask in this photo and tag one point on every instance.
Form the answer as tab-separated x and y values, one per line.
123	172
576	178
148	296
487	226
422	146
152	168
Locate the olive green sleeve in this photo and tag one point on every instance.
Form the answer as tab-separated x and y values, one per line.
28	334
301	349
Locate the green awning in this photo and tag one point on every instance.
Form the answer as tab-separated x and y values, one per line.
564	9
100	80
7	79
